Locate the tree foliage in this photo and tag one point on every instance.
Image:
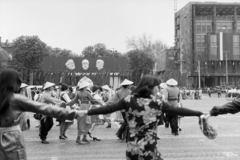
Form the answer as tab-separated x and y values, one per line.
140	62
99	50
28	52
146	44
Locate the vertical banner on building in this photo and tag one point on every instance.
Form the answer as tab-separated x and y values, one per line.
221	45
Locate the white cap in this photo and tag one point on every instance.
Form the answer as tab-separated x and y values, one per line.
48	85
83	85
23	85
106	87
126	82
172	82
163	85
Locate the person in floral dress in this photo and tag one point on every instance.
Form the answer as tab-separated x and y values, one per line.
143	109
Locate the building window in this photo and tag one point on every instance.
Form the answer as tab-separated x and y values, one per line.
203	27
213	47
200	41
238	26
236	54
224	26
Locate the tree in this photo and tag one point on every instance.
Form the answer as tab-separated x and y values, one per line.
27	55
58	52
140	63
28	52
99	50
146	44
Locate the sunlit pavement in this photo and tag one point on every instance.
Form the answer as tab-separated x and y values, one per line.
191	144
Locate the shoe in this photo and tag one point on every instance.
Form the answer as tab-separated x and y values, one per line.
96	139
62	137
180	129
65	136
89	134
166	125
81	142
119	136
85	139
175	133
158	138
109	126
44	141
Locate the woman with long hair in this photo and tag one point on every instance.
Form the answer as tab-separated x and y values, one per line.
143	112
12	105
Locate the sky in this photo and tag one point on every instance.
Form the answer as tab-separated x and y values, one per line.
76	24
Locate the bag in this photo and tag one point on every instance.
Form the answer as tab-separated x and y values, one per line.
37	116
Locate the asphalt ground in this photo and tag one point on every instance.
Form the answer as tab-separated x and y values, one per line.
191	144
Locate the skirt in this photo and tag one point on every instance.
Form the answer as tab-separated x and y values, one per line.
12	144
83	122
97	119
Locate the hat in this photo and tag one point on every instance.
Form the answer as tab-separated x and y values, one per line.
48	85
163	85
172	82
126	82
82	85
86	80
106	87
23	85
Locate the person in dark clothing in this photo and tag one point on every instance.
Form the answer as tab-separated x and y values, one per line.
120	94
144	109
173	98
230	107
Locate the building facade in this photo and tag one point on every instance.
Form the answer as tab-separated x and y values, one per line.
208	33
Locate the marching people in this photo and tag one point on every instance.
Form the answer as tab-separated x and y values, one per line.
12	105
120	94
173	98
46	122
84	123
144	109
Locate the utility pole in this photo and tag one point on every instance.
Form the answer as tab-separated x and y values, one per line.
226	68
199	75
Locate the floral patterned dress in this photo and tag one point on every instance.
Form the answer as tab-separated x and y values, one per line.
143	115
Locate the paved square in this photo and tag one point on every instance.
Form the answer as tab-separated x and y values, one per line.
191	144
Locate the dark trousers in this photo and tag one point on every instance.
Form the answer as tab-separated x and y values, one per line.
173	120
165	119
123	126
45	127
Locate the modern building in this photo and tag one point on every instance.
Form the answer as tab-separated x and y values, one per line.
208	33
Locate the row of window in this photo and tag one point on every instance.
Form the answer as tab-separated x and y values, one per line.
200	44
206	27
214	47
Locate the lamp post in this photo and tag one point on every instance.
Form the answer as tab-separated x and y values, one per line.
113	51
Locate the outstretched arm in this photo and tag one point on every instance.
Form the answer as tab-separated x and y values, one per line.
179	110
231	107
73	101
108	108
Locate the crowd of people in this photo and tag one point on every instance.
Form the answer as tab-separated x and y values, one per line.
140	109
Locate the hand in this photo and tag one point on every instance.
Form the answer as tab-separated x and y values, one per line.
81	113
